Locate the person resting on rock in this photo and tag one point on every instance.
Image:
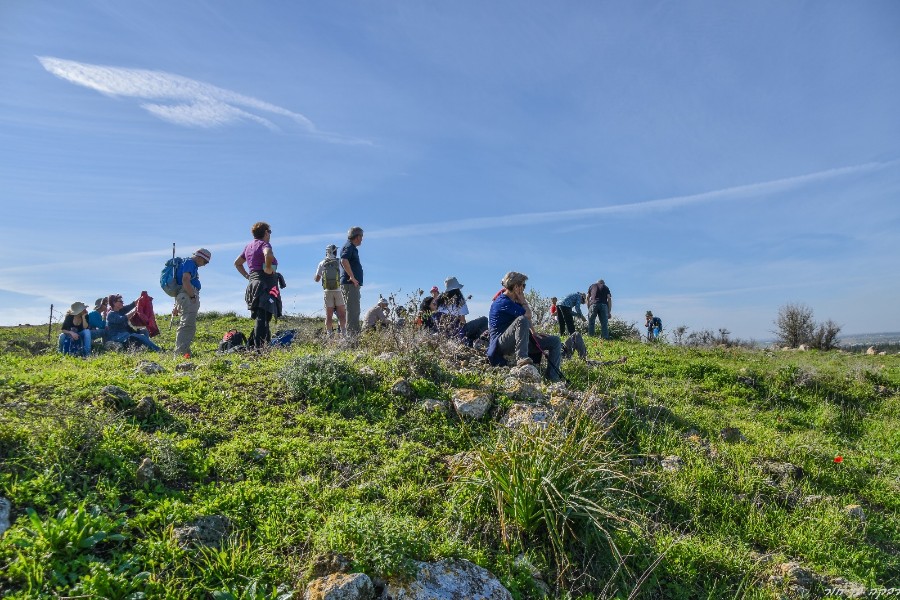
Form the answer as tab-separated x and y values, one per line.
509	324
119	330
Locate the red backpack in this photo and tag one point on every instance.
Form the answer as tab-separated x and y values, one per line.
143	316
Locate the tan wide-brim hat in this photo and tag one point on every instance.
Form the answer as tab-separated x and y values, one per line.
78	308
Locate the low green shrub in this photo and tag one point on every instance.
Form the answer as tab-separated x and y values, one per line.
327	380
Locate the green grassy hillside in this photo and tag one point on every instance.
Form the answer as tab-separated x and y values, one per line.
682	473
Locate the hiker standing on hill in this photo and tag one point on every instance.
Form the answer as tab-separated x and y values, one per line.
599	300
653	325
187	302
262	295
352	278
329	273
564	314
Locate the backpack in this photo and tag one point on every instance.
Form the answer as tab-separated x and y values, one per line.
283	338
168	279
233	339
574	344
331	274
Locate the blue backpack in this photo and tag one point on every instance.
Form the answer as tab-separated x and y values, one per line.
168	279
283	338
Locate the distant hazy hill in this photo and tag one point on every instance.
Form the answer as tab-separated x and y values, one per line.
871	339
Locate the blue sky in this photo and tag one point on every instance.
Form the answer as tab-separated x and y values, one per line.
711	161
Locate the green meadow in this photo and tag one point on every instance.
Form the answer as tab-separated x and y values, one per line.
680	473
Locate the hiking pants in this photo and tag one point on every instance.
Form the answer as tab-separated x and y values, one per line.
262	334
187	326
552	345
351	297
601	310
515	338
566	319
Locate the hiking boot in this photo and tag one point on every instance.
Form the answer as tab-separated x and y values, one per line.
524	361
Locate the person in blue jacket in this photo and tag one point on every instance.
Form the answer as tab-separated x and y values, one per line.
567	309
509	324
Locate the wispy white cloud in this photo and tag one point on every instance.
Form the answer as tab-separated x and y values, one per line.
745	192
178	99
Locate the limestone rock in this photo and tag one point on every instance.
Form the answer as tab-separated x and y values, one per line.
432	405
148	367
732	435
449	579
5	509
206	531
461	461
846	589
780	472
871	351
401	387
244	366
385	356
145	408
340	586
803	347
328	563
855	511
522	390
115	397
526	373
368	371
672	463
471	404
185	367
259	454
527	415
147	472
114	347
795	573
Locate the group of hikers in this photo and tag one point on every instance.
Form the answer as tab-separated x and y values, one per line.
507	333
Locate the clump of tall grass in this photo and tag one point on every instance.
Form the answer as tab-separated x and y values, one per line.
562	488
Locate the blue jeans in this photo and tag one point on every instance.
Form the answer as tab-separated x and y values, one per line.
143	338
599	310
80	346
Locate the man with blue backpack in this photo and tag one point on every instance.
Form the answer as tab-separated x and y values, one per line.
180	279
329	273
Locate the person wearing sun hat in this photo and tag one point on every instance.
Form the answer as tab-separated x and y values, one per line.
377	316
75	328
187	301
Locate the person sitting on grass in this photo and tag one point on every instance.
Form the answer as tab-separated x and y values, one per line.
427	311
509	324
97	318
119	330
377	316
76	333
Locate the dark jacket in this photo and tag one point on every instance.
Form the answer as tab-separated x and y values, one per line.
262	293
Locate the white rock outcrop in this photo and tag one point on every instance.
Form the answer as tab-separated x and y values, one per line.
449	579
